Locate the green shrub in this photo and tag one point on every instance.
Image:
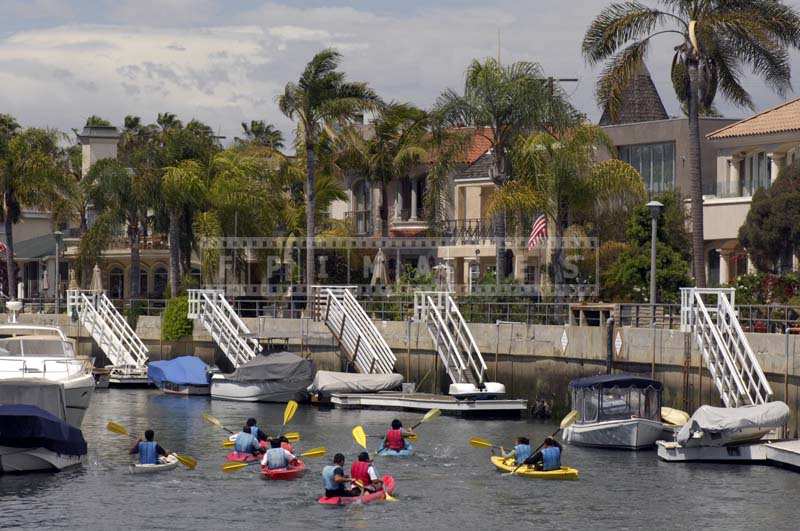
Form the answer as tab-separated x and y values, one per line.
133	312
174	322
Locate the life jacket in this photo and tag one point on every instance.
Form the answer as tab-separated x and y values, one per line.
522	452
276	458
551	458
394	439
147	453
360	471
245	443
327	478
288	447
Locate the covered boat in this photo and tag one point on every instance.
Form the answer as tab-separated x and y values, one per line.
185	375
722	426
327	382
278	377
616	411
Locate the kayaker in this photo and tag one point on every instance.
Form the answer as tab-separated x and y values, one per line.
363	470
521	451
286	445
255	431
548	458
246	442
277	457
335	481
148	450
395	436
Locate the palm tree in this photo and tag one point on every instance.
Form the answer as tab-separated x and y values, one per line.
261	133
504	102
321	97
714	41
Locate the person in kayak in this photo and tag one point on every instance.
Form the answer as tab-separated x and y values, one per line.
334	480
395	436
148	450
286	445
363	471
255	431
246	442
548	458
521	451
277	457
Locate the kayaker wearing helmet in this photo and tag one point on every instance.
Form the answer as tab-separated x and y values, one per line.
363	470
246	442
548	458
148	450
521	451
335	481
255	431
277	457
395	436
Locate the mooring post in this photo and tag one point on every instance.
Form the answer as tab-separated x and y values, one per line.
687	363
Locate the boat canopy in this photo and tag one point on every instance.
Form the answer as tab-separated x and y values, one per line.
723	423
185	370
616	397
283	366
26	426
345	382
606	381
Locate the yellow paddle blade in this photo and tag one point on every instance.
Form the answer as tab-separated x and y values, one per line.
212	420
116	428
187	460
233	466
389	497
479	442
293	436
411	437
288	413
432	414
569	420
315	452
228	444
360	436
676	417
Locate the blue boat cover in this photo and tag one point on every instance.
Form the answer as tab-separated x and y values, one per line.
25	426
185	370
607	381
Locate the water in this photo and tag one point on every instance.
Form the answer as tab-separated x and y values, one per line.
446	485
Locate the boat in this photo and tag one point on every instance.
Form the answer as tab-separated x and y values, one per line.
294	470
44	352
34	433
369	497
408	451
184	375
277	377
169	462
508	464
616	411
726	426
242	457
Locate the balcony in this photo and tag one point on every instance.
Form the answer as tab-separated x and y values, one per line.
408	225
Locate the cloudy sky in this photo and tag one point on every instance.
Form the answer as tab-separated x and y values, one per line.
224	61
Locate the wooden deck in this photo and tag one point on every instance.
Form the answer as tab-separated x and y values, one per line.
495	408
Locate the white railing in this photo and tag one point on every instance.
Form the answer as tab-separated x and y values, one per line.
319	298
355	332
224	325
726	351
108	328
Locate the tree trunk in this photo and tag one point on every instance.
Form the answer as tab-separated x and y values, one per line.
174	253
11	267
499	221
696	181
311	204
136	261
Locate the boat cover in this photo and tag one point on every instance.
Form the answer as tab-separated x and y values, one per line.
283	366
25	426
185	370
345	382
45	394
723	423
607	381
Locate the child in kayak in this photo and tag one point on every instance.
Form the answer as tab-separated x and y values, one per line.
395	436
148	450
246	442
521	451
548	458
277	457
334	480
286	445
363	471
255	431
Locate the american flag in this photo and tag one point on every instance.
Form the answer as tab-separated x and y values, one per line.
538	232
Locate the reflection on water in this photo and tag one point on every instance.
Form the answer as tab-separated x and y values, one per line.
446	485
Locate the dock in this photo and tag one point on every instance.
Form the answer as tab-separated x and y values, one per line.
398	401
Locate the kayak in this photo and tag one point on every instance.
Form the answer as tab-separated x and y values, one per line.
508	465
291	472
388	485
262	444
408	451
242	457
165	463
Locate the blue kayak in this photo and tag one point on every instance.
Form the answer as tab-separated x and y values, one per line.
408	451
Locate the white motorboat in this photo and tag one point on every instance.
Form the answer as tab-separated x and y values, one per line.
616	411
31	351
278	377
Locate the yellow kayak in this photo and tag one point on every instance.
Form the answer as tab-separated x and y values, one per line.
508	465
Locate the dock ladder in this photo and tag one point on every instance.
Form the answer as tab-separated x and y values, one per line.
708	313
112	333
226	328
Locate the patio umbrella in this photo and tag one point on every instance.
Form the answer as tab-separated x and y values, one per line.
97	279
379	270
73	280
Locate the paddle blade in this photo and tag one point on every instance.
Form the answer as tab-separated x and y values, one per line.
360	436
315	452
233	466
430	415
212	420
292	436
228	444
412	437
569	420
187	460
479	442
389	497
288	413
116	428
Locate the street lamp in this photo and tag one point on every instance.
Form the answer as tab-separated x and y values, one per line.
655	211
58	235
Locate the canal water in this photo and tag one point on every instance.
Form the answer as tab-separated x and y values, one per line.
446	485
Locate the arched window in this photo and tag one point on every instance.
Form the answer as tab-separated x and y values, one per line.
362	207
116	283
160	279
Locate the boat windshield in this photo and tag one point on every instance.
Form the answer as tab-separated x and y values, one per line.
597	404
20	346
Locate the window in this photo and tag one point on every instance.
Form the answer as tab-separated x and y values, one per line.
362	207
654	162
160	279
116	283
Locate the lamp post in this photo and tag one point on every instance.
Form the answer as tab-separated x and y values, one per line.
58	235
655	211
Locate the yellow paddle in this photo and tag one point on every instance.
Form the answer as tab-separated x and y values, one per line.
479	442
233	466
567	421
430	415
216	422
386	495
188	461
288	413
292	436
360	436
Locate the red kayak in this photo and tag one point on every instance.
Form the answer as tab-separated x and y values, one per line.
243	457
293	471
388	486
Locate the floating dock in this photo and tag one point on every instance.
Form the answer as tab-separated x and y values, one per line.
775	453
397	401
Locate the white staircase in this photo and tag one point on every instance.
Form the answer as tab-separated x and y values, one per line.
355	332
708	313
112	333
223	324
457	349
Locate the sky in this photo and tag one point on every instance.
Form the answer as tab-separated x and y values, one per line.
225	61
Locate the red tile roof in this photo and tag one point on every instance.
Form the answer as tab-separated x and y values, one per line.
780	119
480	143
